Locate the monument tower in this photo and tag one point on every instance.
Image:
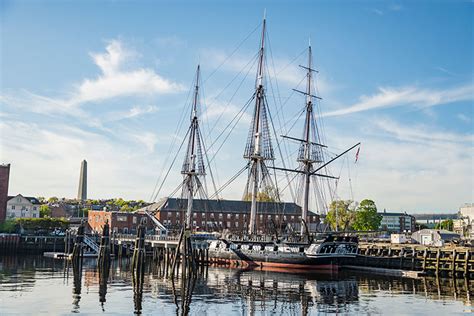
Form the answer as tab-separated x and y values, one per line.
82	192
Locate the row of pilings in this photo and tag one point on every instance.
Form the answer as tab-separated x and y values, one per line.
182	264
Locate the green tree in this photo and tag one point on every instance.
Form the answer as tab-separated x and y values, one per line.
53	199
8	226
447	224
340	215
126	208
269	194
45	211
366	217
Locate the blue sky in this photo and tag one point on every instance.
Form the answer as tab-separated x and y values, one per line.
107	81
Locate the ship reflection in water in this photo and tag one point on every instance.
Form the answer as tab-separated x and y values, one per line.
47	286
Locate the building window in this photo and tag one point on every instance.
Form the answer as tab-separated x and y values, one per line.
237	216
292	216
34	208
284	217
269	216
195	215
228	216
13	207
212	215
134	219
18	200
34	215
237	224
220	215
194	223
121	218
261	216
96	219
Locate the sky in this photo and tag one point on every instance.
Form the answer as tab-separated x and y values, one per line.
109	82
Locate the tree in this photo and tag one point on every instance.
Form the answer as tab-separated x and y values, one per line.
340	216
447	224
366	217
53	199
8	226
45	211
269	194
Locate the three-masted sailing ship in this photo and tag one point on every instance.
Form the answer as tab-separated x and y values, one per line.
324	251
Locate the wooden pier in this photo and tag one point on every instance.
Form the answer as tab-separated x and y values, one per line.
449	260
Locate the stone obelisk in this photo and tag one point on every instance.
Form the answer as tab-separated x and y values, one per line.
82	192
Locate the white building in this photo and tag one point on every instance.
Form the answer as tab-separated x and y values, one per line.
23	207
465	224
397	222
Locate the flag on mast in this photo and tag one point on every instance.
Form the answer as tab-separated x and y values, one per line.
357	155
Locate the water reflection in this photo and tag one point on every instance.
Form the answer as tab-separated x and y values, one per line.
219	290
103	279
138	278
77	285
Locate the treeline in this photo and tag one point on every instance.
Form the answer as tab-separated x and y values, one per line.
117	204
33	225
344	215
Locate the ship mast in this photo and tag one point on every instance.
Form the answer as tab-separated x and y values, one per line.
193	166
258	148
307	145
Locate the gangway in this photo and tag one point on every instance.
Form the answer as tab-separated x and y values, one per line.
91	243
161	227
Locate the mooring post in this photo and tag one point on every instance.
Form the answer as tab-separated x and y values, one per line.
466	263
453	263
78	250
104	250
138	258
438	255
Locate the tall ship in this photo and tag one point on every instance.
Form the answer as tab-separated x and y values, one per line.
322	251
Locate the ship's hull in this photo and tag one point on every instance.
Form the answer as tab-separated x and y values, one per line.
288	258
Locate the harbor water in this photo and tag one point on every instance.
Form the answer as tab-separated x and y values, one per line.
32	285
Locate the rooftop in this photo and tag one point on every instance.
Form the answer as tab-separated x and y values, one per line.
226	206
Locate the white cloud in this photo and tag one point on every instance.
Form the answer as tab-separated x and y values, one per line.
406	168
45	161
420	133
133	112
409	96
115	80
148	139
464	118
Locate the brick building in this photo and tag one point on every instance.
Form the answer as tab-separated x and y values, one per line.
217	215
120	222
4	179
